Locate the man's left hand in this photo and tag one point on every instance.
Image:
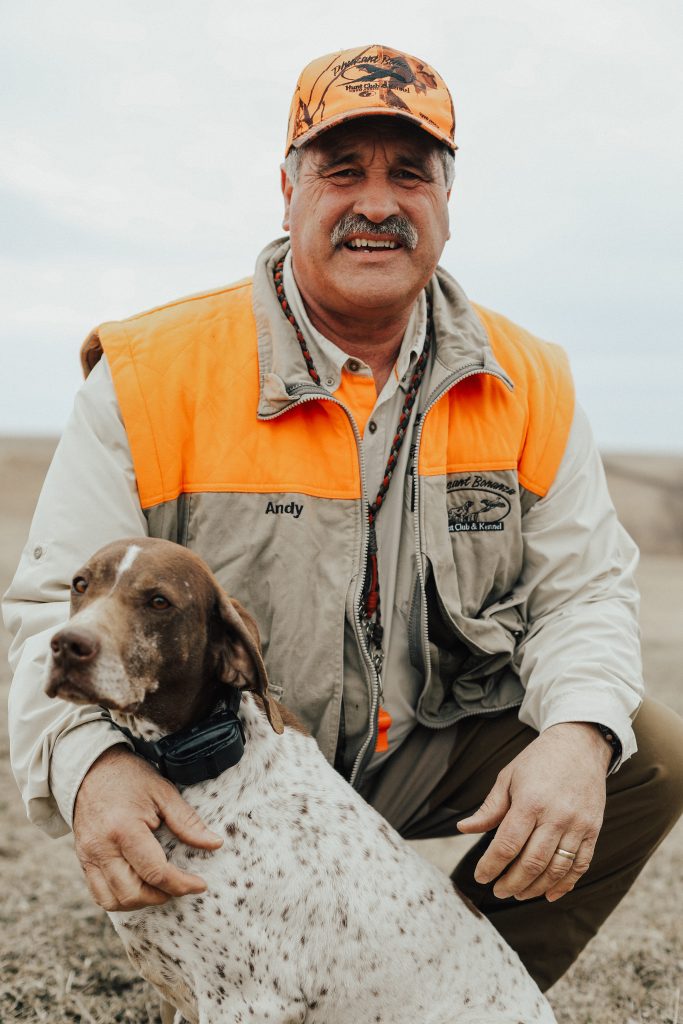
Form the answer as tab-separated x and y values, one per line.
550	796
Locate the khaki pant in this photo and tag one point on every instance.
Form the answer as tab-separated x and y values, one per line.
439	776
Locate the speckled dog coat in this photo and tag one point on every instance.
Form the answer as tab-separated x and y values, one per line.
317	910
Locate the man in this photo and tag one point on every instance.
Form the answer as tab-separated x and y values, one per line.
400	487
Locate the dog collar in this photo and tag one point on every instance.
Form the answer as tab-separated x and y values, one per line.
197	752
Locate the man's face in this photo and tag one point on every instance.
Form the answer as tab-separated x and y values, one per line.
351	180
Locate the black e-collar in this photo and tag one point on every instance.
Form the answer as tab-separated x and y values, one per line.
197	752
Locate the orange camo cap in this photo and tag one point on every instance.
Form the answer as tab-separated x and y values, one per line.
369	80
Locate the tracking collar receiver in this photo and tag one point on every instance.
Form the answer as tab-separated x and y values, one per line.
197	752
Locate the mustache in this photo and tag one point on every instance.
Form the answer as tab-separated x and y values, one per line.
400	228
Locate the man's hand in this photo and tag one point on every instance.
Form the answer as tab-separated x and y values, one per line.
121	801
551	795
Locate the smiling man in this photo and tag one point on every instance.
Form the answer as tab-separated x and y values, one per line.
400	487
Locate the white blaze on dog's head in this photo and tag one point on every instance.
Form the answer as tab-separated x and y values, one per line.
129	556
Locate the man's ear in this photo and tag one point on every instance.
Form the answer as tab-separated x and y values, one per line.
237	651
287	187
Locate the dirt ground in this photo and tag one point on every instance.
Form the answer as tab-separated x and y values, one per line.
61	961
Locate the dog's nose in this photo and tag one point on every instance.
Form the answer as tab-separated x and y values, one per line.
75	646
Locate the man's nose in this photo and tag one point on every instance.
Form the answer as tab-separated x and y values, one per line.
376	201
74	646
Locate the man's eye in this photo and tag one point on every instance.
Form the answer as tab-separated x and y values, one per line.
79	585
159	602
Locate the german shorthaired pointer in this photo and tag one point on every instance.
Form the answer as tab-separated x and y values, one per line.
316	910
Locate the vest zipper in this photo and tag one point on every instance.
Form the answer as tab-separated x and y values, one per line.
371	676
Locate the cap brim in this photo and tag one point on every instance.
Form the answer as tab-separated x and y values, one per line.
337	119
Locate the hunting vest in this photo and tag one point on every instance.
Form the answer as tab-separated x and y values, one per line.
241	457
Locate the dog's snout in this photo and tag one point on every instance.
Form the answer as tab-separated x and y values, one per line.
75	646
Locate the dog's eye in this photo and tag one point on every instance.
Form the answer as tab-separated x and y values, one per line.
79	585
159	602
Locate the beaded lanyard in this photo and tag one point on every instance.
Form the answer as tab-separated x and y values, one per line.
370	610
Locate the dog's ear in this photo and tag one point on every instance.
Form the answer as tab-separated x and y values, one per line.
238	654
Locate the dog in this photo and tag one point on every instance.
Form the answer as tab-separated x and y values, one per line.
316	910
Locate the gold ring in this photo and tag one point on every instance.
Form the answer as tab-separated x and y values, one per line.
564	853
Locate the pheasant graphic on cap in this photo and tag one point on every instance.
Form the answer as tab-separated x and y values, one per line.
400	71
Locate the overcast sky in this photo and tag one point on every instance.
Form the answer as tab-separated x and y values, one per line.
140	162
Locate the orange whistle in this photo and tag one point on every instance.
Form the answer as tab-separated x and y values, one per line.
383	726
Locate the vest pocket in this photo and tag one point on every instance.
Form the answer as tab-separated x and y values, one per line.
509	616
466	677
490	693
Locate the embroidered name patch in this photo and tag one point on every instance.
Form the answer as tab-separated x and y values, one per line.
290	509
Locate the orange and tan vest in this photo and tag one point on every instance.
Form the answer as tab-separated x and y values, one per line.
225	424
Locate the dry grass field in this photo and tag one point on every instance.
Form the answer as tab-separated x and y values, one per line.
61	961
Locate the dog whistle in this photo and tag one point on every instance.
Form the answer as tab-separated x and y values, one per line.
383	726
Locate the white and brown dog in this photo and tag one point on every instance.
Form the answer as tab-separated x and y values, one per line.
316	910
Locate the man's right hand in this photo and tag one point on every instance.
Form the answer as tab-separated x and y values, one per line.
122	799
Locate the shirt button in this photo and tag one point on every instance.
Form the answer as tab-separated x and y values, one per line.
372	426
38	552
354	365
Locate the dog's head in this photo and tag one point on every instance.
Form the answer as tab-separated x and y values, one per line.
153	634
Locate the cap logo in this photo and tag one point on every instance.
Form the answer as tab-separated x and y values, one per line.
375	66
